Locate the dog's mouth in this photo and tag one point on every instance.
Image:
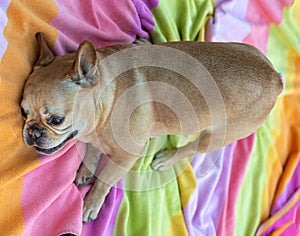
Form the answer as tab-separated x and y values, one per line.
49	151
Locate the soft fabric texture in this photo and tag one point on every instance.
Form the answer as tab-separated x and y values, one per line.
249	187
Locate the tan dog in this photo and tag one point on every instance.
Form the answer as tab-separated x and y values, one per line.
116	98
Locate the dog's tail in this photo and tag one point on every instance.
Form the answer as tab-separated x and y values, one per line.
283	82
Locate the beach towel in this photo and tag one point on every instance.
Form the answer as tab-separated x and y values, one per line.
249	187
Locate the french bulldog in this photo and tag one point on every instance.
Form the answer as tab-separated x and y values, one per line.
116	98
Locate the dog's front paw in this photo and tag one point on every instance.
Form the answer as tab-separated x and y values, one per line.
163	160
84	176
142	41
91	207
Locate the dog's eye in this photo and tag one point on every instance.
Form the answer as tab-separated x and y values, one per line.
56	120
24	115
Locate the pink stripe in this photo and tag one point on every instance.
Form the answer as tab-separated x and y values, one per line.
241	156
260	15
103	22
52	204
49	195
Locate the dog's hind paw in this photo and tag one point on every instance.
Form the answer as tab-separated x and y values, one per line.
84	176
163	160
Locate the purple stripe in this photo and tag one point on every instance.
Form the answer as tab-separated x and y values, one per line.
204	209
229	23
3	21
143	8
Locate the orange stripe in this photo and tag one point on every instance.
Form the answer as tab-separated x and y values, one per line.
25	18
287	146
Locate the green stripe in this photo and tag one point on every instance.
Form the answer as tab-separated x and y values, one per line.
150	212
180	20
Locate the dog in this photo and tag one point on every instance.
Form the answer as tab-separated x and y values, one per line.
116	98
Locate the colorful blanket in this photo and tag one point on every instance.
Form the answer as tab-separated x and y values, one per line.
250	187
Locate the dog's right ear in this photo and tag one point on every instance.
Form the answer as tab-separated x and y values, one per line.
85	68
45	55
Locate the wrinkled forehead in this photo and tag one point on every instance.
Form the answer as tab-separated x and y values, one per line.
54	72
48	85
44	100
38	106
45	79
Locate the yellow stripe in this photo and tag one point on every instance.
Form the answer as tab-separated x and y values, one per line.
177	226
187	184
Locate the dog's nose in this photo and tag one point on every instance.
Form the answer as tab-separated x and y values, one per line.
35	132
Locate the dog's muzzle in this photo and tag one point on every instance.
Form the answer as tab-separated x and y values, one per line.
48	151
35	132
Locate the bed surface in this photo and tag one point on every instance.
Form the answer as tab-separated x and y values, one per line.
249	187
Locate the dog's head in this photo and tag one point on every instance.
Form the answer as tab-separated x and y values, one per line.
58	103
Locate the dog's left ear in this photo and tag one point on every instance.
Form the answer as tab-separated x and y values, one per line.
45	55
85	68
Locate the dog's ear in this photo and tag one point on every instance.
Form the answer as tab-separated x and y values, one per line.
45	55
85	68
